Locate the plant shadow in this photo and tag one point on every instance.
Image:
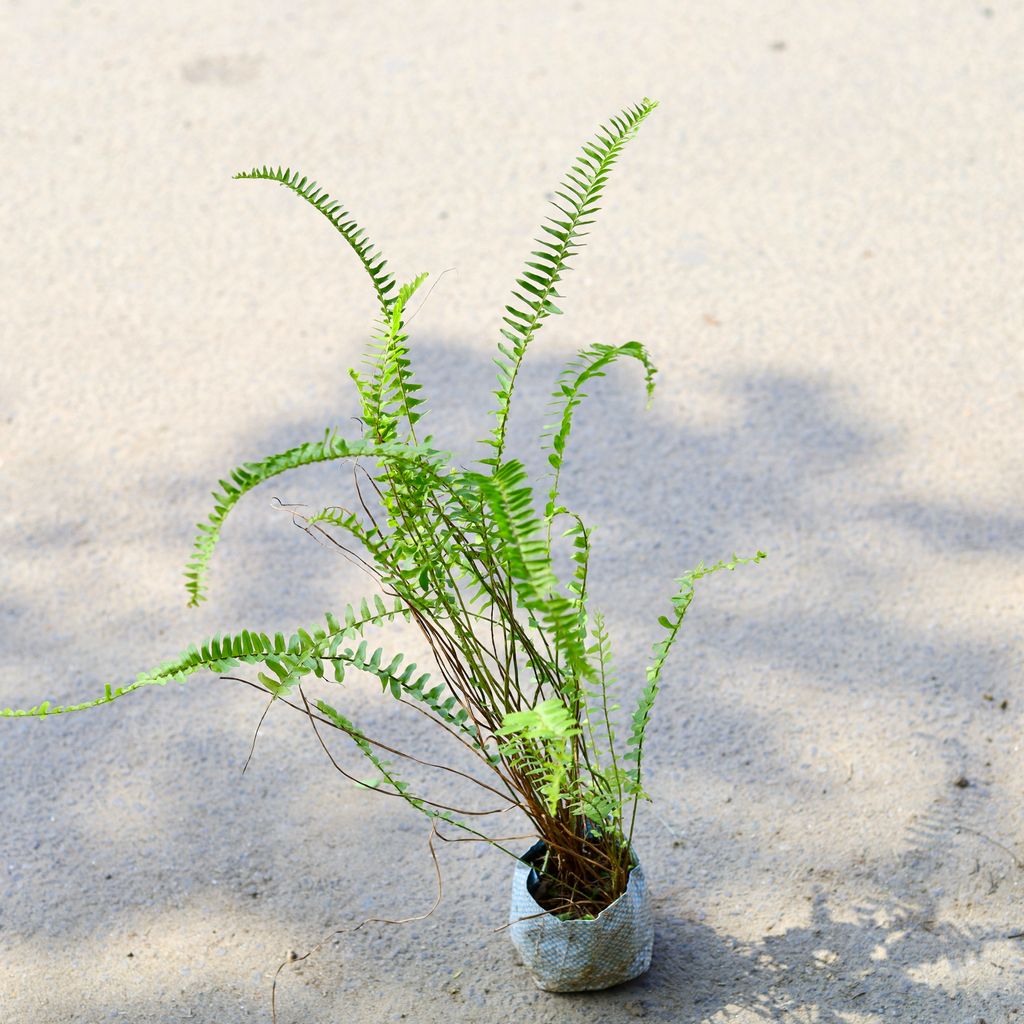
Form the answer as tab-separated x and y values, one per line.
789	467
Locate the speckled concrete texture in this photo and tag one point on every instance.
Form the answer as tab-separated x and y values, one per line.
819	236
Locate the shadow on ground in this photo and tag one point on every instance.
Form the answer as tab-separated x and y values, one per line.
788	466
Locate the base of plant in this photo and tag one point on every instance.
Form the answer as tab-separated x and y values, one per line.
580	954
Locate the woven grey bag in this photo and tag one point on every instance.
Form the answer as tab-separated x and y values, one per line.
580	956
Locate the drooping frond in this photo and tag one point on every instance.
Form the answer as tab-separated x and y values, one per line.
288	659
588	364
387	774
575	203
391	781
386	553
252	474
374	264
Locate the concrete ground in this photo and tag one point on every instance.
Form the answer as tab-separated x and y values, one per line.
819	236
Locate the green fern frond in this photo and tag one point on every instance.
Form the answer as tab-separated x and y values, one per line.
576	204
388	775
393	556
580	534
527	555
252	474
395	675
380	548
671	625
390	779
601	797
538	740
589	364
510	501
288	659
599	708
548	720
374	264
388	391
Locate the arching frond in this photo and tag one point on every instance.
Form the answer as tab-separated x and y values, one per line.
374	264
588	364
252	474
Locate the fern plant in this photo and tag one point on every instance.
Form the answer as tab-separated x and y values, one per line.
524	678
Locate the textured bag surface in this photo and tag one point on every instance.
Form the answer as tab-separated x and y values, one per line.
578	956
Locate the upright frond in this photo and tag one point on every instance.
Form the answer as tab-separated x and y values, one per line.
575	204
389	392
671	625
527	555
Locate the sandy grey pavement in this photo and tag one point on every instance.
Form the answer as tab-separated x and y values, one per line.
819	236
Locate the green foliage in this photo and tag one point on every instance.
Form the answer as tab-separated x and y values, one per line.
575	206
526	555
524	663
373	263
671	625
588	365
540	746
289	659
388	391
252	474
